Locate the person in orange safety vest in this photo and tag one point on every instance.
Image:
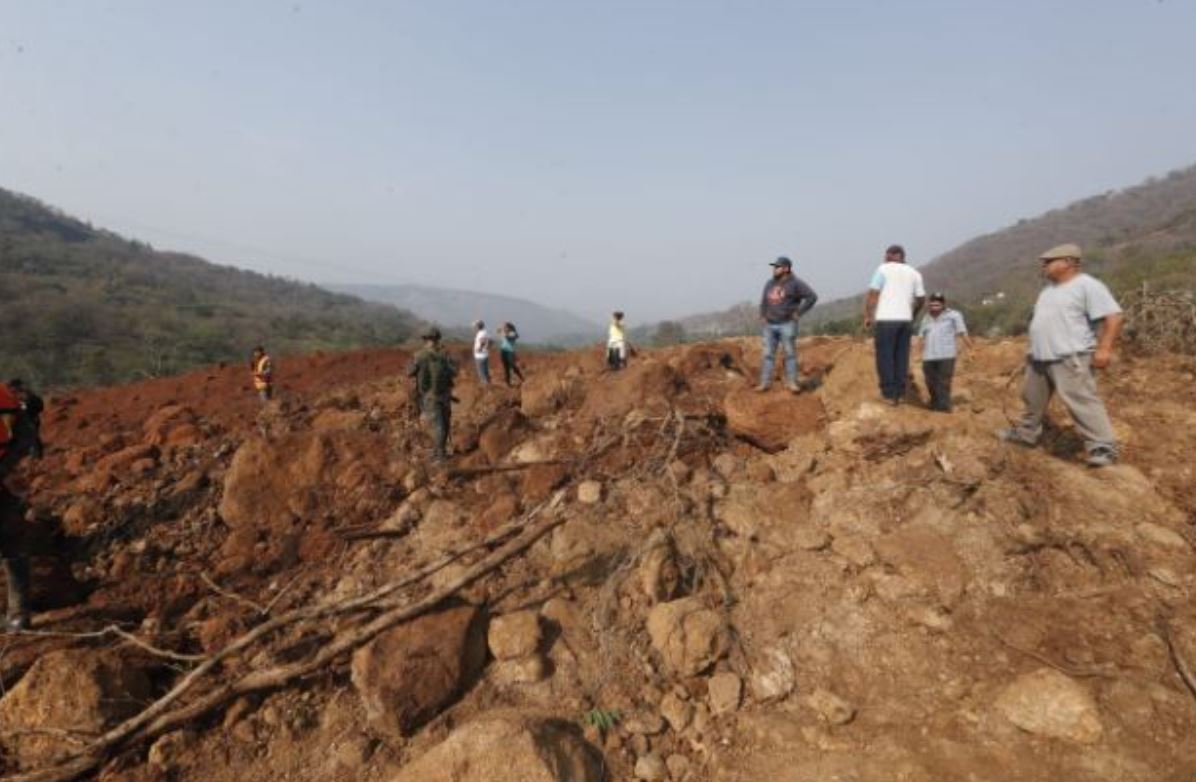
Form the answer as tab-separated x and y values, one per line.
263	374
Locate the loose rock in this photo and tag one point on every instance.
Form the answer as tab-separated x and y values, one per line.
1049	703
514	635
81	690
677	712
407	675
830	707
689	636
508	747
589	492
651	768
724	691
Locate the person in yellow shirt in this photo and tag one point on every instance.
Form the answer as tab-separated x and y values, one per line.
616	342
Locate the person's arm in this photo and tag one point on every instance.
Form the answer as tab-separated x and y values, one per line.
1110	329
807	298
870	307
919	294
763	301
870	301
918	302
962	331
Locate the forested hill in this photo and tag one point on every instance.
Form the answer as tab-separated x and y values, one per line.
83	306
1145	233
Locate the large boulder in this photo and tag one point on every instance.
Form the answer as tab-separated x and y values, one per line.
1049	703
407	675
280	495
647	386
83	691
689	636
509	747
771	420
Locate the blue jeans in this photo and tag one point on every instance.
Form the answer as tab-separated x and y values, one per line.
483	365
785	335
892	356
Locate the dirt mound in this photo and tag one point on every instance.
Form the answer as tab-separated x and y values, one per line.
683	579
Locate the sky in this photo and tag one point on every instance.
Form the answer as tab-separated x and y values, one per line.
645	156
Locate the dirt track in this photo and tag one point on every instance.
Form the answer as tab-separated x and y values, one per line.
897	586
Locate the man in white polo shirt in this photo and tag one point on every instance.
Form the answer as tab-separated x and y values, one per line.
1065	347
895	296
481	352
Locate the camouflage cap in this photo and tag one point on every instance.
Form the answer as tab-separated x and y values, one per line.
1068	250
431	333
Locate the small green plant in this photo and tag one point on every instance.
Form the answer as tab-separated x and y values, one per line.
602	719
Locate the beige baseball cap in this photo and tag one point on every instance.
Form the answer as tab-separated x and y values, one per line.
1068	250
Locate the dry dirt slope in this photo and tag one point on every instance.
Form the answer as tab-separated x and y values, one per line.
656	573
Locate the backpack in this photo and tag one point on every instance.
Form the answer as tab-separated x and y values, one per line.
437	374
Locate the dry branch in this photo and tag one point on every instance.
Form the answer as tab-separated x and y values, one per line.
470	472
1042	658
1177	659
159	718
119	633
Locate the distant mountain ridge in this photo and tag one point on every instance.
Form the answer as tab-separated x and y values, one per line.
84	306
457	309
1142	233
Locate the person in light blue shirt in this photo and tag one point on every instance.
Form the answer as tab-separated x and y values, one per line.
940	330
508	336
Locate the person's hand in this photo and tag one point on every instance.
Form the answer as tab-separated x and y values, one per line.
867	322
1102	358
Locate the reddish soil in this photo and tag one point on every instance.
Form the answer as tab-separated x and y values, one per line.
891	587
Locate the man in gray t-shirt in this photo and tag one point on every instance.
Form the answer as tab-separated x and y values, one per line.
1075	325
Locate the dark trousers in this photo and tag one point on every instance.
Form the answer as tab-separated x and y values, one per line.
13	558
892	356
439	413
509	366
938	374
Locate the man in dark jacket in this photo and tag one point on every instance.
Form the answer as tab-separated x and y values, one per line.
434	373
784	300
15	443
34	407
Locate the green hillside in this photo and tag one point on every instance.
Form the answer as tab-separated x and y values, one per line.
84	306
1145	233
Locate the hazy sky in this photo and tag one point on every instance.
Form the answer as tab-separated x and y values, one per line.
647	156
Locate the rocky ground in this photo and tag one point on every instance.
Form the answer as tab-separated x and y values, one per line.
655	574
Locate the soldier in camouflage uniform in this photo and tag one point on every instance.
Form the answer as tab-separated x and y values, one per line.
434	372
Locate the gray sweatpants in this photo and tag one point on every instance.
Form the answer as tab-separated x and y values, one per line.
1072	379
